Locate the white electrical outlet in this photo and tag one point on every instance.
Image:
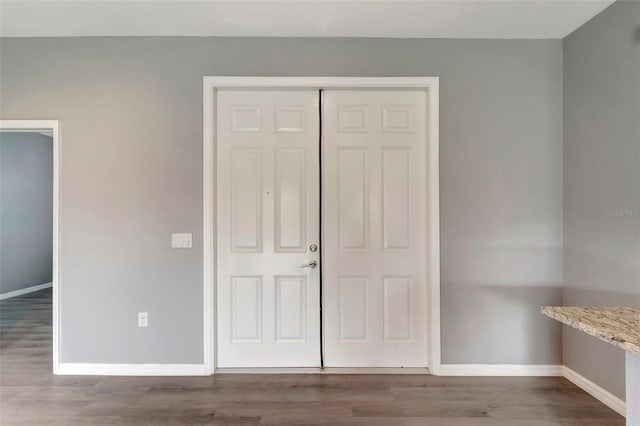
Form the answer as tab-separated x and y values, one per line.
143	319
183	240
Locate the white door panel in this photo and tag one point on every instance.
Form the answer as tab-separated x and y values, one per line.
268	216
374	228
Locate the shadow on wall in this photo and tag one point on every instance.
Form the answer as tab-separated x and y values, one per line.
575	296
603	273
507	322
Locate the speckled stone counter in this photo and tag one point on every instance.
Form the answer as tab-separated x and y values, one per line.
617	326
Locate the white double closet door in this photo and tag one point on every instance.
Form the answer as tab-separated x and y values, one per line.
368	221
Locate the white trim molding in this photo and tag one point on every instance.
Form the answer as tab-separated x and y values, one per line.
317	370
598	392
53	127
22	291
210	87
82	369
501	370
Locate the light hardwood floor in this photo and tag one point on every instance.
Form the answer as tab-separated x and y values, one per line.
31	395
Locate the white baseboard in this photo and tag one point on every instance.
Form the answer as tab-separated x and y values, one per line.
20	292
82	369
500	370
327	370
599	393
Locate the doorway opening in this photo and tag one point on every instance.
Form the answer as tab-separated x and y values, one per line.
29	217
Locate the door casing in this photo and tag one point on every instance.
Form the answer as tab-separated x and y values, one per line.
432	263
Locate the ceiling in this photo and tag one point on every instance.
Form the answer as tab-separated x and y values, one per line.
529	19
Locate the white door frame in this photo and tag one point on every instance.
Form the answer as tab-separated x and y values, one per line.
52	126
432	263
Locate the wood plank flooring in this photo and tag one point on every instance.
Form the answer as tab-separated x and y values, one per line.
31	395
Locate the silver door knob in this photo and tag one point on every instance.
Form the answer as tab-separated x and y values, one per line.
311	264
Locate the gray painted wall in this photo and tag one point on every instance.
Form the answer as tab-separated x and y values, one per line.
26	222
602	171
131	126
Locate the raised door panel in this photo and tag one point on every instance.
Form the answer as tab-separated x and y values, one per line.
246	199
353	309
352	118
396	198
290	200
246	119
246	309
353	188
397	119
290	119
290	308
397	309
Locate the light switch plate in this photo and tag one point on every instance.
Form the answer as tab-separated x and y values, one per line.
143	319
181	240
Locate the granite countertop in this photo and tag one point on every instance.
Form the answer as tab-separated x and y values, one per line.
617	326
